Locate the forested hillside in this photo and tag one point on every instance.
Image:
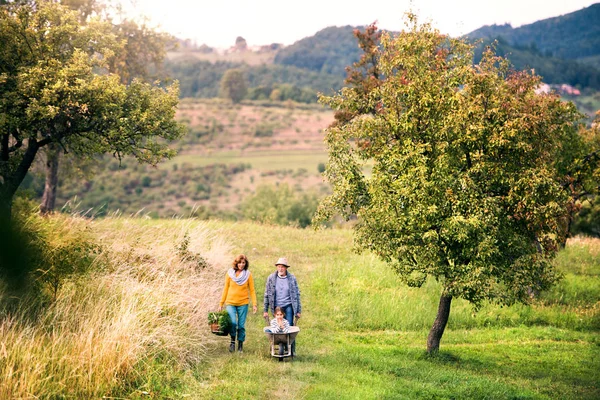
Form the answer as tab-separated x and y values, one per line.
573	36
329	51
553	70
564	49
201	79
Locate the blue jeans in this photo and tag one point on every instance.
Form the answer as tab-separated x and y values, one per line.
238	321
288	314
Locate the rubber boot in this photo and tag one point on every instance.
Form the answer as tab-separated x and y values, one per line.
232	346
241	347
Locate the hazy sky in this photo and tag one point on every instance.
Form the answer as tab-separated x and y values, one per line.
217	23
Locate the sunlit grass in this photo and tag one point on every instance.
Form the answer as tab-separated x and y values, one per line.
103	333
135	325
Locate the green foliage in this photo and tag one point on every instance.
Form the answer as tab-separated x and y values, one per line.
50	252
263	130
584	174
202	78
280	205
186	255
222	318
587	220
233	85
464	185
111	192
57	90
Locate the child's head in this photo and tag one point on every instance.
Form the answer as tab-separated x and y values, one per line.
278	311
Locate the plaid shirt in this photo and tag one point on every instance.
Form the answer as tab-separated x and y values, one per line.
270	293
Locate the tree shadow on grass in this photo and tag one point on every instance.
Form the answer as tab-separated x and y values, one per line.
576	373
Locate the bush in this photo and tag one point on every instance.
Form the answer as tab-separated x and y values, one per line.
587	221
281	206
44	252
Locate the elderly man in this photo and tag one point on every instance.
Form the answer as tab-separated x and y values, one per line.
282	291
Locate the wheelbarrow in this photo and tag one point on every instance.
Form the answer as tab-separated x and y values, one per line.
281	343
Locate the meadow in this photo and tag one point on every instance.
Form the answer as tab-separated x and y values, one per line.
133	325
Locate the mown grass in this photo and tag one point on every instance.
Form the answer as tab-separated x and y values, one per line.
364	334
141	328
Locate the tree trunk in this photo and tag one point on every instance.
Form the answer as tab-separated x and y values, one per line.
52	162
5	207
439	325
10	180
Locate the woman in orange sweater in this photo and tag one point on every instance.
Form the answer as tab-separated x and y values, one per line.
239	286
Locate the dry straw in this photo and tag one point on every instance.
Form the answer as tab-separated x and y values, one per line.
148	295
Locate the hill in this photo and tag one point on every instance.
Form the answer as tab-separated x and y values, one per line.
564	49
229	151
329	51
200	78
574	36
553	70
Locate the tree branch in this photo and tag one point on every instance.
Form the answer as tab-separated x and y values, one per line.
14	180
17	145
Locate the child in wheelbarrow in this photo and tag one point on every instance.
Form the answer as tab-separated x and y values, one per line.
279	325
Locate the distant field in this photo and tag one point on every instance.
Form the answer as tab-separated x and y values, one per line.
277	143
262	161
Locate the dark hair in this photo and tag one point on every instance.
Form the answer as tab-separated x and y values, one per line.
278	309
240	258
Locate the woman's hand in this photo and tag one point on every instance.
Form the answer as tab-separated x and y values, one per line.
220	309
254	309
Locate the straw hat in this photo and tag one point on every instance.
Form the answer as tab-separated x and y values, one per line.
282	261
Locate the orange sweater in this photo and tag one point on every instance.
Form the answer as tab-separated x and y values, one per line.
236	295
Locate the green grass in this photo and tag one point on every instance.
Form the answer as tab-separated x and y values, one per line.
362	333
262	161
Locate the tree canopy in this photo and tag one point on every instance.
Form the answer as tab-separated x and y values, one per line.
57	88
465	184
233	85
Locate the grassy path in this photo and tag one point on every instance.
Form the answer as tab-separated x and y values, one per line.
363	335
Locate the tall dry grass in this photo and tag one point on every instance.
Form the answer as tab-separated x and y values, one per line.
145	297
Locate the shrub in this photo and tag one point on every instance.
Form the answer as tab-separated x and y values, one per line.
281	206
